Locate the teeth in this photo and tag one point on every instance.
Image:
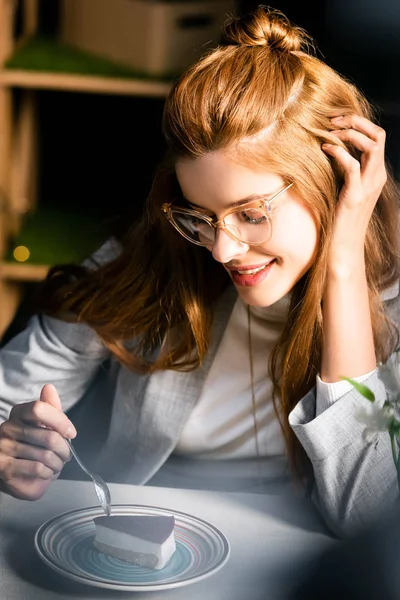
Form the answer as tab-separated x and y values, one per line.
252	271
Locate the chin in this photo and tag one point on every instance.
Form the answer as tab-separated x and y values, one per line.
254	297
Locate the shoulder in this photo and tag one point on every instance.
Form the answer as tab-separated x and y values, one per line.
391	300
106	253
391	292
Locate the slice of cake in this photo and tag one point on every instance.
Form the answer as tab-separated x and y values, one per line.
147	541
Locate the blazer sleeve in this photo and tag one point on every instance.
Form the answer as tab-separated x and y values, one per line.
355	483
49	350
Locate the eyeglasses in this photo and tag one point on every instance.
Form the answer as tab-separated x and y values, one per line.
250	223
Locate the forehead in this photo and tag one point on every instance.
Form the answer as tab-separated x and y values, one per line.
217	177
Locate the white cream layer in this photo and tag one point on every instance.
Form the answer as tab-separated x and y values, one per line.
118	539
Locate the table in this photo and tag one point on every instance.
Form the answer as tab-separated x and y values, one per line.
269	535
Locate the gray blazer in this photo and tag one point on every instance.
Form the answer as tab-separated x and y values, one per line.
354	482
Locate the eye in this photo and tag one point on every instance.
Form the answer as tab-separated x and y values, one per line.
253	216
198	221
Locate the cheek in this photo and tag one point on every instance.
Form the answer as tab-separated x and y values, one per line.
296	234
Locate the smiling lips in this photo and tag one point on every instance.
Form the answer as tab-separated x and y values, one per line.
251	275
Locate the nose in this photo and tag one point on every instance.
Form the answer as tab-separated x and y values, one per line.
226	248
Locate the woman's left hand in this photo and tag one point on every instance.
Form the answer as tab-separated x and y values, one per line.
363	183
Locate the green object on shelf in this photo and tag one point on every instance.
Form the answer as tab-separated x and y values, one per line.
46	54
57	237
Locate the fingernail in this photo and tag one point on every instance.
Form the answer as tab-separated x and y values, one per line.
337	118
71	432
327	146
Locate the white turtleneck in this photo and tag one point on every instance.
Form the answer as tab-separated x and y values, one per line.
221	426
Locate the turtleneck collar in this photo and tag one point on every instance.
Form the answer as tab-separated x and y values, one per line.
275	312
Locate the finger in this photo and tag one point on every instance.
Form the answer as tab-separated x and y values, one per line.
26	488
50	395
42	413
34	436
359	141
11	468
350	166
19	450
362	125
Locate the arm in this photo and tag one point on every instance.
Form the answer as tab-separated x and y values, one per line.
48	349
354	482
32	449
348	347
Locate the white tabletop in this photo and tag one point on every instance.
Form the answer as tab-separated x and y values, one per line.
269	536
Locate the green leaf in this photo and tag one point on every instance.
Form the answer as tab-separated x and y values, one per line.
394	428
362	389
395	452
397	463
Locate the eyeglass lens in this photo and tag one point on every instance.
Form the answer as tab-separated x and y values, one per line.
251	225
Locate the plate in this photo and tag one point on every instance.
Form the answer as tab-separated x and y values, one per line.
65	543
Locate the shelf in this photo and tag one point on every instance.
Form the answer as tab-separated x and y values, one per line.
22	272
43	63
48	237
82	83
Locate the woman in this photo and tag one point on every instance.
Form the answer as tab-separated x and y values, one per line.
263	271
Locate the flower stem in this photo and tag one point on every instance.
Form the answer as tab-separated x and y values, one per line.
396	456
394	449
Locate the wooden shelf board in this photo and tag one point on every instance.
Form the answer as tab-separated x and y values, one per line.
83	83
22	271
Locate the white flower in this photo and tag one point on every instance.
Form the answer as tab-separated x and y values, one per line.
376	418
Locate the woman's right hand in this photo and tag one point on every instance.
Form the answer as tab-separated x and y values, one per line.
32	449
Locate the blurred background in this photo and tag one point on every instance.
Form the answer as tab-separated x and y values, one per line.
82	88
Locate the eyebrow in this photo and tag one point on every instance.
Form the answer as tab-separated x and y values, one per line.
251	198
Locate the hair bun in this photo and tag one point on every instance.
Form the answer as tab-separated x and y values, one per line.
265	27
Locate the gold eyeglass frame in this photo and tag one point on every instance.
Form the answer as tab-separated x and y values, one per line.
168	208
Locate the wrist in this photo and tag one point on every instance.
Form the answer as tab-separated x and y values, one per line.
347	267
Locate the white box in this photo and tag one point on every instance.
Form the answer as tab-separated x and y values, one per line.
155	38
